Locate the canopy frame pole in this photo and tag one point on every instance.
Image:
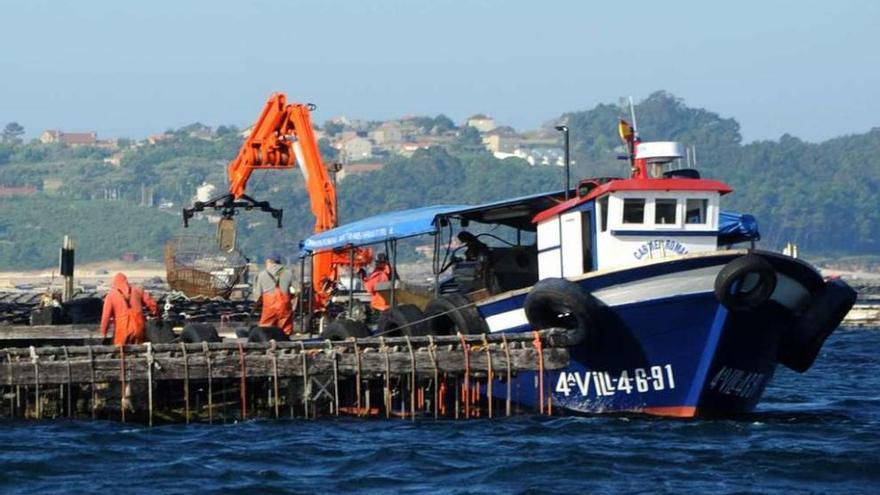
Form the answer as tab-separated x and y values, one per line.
437	234
302	294
351	281
393	269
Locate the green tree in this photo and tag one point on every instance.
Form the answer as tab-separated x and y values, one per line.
12	133
442	124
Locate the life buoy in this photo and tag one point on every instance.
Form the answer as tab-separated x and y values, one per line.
559	303
406	319
451	313
801	344
745	283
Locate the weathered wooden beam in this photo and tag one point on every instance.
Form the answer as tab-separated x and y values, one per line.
57	365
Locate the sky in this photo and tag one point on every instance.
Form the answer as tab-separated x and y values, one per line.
135	68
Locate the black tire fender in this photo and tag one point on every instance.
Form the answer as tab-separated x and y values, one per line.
451	313
196	333
406	319
158	332
744	270
342	329
800	346
560	303
265	334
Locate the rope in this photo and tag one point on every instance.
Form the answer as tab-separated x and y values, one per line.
432	352
357	355
210	387
489	376
69	383
335	377
122	380
507	358
243	386
306	391
412	391
94	388
150	380
35	360
185	381
274	374
387	391
11	382
467	377
540	349
422	320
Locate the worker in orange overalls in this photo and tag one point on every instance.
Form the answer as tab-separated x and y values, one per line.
381	273
124	307
272	287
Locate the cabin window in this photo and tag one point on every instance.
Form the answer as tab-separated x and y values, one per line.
633	210
603	214
696	211
664	211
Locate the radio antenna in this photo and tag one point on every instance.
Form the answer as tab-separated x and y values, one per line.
632	112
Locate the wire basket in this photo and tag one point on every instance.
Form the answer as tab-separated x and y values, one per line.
196	266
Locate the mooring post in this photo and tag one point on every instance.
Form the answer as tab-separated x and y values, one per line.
207	352
150	381
185	381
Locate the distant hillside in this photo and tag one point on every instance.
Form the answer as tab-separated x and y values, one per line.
819	195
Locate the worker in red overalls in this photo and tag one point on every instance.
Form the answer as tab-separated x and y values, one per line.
272	287
381	273
124	307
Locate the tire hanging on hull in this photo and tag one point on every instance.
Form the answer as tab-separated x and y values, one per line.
745	283
800	346
559	303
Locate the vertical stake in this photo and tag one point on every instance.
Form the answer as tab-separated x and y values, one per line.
185	381
274	375
210	389
150	381
69	382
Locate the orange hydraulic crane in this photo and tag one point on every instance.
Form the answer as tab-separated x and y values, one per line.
281	137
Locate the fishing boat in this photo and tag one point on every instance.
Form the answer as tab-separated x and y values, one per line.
678	312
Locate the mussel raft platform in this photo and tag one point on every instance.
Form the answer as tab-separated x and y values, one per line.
431	377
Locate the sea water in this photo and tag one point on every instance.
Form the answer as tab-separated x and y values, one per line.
812	433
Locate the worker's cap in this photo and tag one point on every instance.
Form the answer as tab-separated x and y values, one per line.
382	258
465	236
273	256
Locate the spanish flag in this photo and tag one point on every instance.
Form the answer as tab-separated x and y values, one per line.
626	131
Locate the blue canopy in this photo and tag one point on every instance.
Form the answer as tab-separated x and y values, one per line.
513	212
380	228
734	227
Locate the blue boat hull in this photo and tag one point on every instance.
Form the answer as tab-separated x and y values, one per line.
683	354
